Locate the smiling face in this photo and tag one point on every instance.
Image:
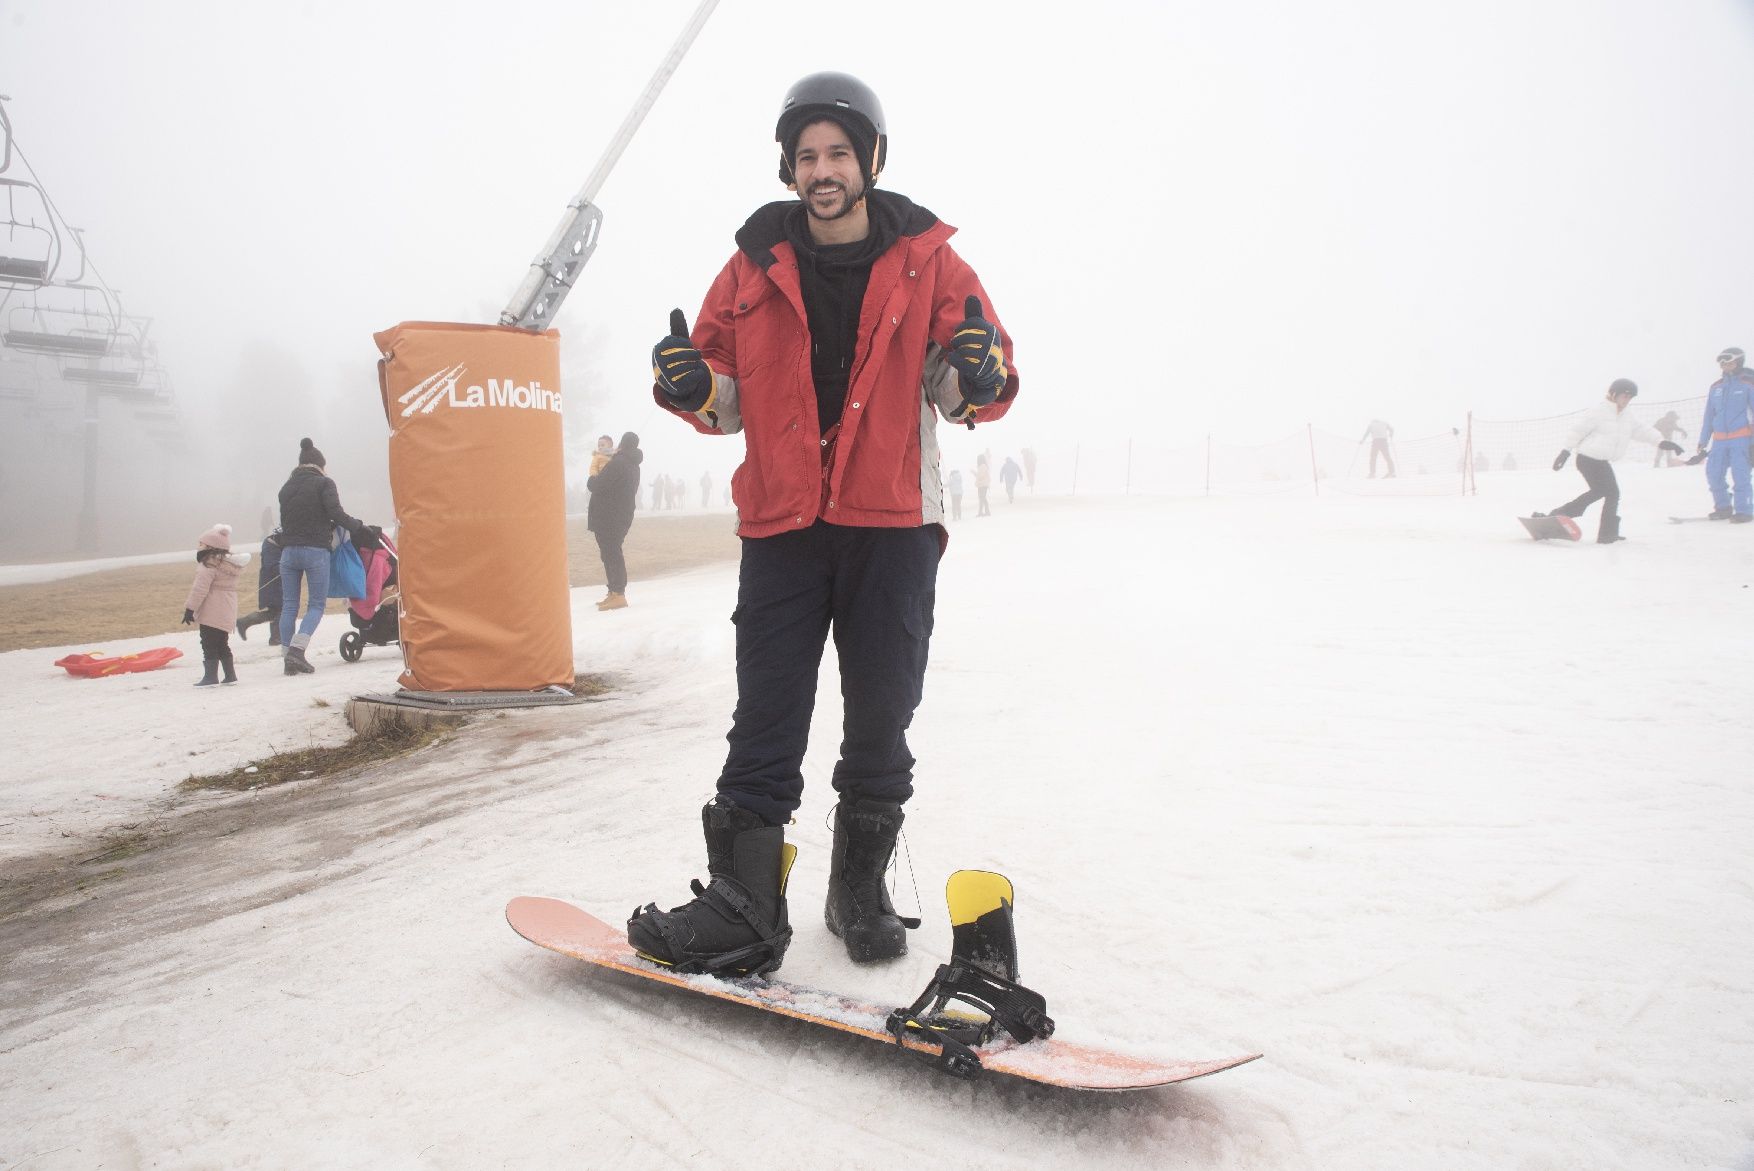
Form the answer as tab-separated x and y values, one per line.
826	170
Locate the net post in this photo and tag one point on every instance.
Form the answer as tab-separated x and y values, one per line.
1314	476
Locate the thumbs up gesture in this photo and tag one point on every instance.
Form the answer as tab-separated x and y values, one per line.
977	355
680	372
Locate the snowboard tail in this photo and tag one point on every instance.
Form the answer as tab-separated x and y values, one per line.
1547	528
564	928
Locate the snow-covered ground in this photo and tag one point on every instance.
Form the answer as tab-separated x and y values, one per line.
1451	825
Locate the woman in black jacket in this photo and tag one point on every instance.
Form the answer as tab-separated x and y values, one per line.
310	508
610	514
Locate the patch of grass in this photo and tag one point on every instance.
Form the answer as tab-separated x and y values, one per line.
119	845
389	740
319	702
591	685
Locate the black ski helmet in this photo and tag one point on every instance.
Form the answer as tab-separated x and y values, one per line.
846	100
1733	353
1623	386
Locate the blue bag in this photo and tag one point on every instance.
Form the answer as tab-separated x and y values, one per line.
346	570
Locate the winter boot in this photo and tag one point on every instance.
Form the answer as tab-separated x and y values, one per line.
247	621
1741	518
231	674
1609	532
209	674
737	923
1720	513
859	910
613	602
295	656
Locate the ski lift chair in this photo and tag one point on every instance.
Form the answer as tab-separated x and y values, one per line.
29	256
74	321
103	376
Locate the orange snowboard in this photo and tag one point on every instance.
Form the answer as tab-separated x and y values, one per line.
562	927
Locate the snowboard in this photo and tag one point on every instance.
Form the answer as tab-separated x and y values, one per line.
1546	528
560	926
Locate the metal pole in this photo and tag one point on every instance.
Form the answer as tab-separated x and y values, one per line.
553	273
1208	463
1076	448
87	532
1314	475
1129	486
1468	459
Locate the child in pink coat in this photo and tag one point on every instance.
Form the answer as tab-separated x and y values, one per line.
213	602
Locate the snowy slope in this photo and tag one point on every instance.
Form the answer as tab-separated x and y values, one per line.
1453	826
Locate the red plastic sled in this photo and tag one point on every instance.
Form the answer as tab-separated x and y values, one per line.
94	664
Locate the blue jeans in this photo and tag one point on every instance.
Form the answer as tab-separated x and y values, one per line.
1728	463
312	565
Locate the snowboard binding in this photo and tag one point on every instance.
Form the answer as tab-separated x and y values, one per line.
755	959
981	975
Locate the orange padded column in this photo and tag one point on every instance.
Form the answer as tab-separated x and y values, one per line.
477	472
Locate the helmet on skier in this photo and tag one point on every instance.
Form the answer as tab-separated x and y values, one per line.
1732	355
843	99
1623	386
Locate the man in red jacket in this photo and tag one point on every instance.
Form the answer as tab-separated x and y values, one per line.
832	339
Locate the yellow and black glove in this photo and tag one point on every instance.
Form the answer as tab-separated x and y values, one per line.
978	357
679	370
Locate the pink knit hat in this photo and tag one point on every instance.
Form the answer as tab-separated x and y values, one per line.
217	537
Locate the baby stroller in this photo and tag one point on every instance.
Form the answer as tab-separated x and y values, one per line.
374	618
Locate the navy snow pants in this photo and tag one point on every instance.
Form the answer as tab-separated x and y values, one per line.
875	589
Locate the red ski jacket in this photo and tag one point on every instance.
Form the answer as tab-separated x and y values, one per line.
881	468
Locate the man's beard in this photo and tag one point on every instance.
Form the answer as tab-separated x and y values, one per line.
849	199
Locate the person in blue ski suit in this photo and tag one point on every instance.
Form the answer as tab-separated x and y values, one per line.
1726	433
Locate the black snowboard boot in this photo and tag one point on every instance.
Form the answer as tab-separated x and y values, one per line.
209	674
737	923
1609	532
859	910
231	673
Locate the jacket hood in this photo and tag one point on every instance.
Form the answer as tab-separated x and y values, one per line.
767	227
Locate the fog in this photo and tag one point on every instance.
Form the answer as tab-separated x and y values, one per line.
1231	220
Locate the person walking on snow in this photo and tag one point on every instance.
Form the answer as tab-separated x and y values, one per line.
1724	438
610	515
954	483
983	479
1379	433
267	592
841	323
1668	427
1009	474
1602	435
310	509
213	602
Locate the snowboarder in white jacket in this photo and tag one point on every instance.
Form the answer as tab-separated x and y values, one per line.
1601	436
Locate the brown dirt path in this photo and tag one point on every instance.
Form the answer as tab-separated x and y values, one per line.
89	610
